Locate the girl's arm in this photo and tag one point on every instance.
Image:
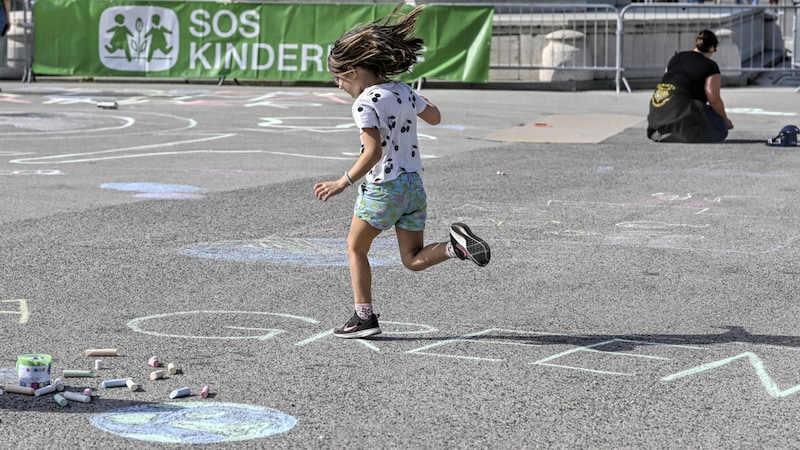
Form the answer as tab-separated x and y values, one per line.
371	139
431	113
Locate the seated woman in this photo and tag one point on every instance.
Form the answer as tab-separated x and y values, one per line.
687	106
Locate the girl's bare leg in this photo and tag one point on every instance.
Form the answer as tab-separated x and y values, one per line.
417	256
359	241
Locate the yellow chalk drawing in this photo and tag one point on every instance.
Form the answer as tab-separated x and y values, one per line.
22	311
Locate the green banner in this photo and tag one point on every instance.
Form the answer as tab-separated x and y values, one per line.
266	41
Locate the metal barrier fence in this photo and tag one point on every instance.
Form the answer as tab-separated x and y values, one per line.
553	42
16	47
752	38
580	42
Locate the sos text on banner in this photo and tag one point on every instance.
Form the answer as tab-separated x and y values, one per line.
240	40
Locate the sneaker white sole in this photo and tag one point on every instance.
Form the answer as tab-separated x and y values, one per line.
477	250
358	334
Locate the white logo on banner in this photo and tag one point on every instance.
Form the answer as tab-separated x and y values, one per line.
139	38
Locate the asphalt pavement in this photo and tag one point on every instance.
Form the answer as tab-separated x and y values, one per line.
640	295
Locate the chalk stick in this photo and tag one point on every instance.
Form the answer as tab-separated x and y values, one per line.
76	373
59	384
101	352
107	105
172	369
154	362
19	389
60	400
45	390
117	382
156	374
98	364
182	392
87	392
132	385
76	397
204	392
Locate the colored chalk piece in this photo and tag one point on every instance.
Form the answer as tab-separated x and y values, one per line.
172	369
156	374
59	384
101	352
154	362
182	392
204	392
132	385
44	390
98	364
118	382
19	390
87	392
60	400
74	396
77	373
107	105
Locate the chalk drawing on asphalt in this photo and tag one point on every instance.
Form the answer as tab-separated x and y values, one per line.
9	375
757	364
157	190
26	123
312	252
759	112
31	172
194	422
21	310
669	358
117	153
198	324
680	222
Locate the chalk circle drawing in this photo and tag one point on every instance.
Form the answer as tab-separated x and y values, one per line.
312	252
196	324
194	422
157	190
63	122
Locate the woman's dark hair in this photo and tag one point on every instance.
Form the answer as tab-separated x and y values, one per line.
384	48
706	41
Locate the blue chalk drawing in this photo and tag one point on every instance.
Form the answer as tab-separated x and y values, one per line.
157	190
8	375
151	187
194	422
169	196
293	251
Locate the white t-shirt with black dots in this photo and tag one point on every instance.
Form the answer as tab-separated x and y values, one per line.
392	108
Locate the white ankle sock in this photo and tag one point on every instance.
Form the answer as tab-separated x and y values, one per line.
364	310
451	252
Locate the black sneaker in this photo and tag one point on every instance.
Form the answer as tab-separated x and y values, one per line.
357	328
469	246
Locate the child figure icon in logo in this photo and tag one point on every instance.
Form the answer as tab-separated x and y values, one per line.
119	38
158	39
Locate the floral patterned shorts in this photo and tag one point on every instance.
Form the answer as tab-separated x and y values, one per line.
400	202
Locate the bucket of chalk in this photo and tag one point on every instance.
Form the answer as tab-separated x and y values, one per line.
34	370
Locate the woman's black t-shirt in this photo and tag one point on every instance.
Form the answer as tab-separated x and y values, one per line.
688	71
